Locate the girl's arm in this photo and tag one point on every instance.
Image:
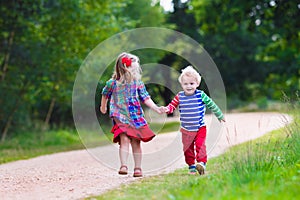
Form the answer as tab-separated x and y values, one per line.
103	106
145	97
106	94
149	102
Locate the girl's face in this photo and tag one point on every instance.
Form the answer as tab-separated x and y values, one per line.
189	85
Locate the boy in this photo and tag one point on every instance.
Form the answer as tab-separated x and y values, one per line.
192	104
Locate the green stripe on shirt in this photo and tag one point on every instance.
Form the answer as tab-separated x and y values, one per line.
212	106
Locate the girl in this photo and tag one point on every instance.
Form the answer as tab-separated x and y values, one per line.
125	91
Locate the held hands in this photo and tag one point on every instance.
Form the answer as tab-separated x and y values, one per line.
161	109
157	109
164	109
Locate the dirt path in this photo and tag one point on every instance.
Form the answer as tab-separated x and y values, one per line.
79	174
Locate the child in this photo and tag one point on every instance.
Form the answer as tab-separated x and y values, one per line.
125	90
192	104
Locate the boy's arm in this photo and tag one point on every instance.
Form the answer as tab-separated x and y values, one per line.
173	105
212	106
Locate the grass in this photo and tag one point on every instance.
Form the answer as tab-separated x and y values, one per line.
266	168
27	145
167	127
31	144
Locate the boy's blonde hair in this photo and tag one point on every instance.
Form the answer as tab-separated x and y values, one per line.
190	72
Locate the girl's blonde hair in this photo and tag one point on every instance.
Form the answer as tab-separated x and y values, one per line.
190	72
127	74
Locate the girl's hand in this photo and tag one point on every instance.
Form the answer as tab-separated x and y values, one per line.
157	109
103	104
103	109
164	109
161	109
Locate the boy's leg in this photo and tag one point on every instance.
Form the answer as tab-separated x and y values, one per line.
200	139
189	155
188	147
201	155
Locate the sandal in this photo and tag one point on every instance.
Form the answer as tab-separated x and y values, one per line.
137	172
123	170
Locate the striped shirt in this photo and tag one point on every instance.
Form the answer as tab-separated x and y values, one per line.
125	101
192	109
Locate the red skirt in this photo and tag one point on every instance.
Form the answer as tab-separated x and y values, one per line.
143	133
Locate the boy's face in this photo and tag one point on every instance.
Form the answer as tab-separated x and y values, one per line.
189	85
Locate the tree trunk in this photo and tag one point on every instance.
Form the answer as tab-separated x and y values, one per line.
7	55
9	120
11	116
49	113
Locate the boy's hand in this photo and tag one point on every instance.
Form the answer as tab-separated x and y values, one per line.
222	120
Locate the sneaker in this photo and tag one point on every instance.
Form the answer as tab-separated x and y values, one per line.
201	168
192	169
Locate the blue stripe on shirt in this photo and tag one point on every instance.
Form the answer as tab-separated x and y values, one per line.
192	110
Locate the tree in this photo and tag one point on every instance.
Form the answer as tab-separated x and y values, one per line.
249	40
43	44
184	22
278	22
17	71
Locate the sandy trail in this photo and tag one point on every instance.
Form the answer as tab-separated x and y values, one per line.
82	173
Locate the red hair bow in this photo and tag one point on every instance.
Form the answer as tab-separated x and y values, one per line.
127	61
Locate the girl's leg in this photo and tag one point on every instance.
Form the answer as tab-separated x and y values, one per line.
124	149
137	152
137	156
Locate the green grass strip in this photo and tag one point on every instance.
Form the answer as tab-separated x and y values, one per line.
28	145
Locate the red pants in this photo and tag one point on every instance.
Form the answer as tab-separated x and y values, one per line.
192	139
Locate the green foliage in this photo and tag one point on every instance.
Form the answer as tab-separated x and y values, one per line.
262	103
276	85
250	40
139	12
44	44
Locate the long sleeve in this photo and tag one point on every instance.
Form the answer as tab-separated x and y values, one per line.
212	106
173	105
108	88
